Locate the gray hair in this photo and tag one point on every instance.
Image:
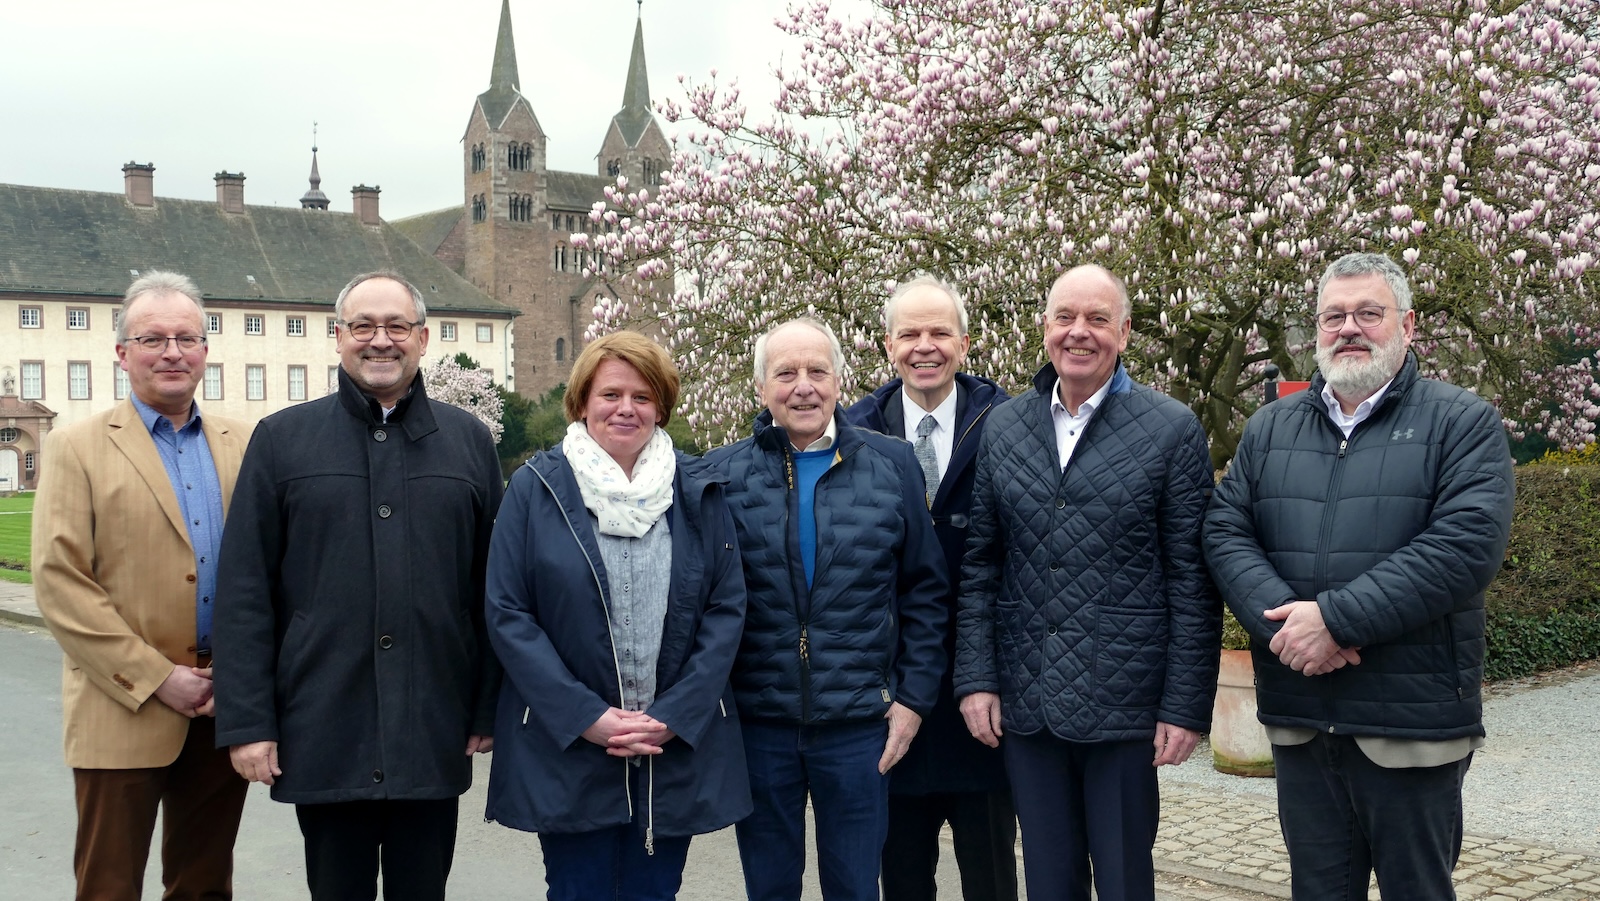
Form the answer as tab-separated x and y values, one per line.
1355	265
416	296
157	281
923	280
833	346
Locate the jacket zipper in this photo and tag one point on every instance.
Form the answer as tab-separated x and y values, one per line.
616	665
801	590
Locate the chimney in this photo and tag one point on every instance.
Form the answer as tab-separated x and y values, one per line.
230	191
366	204
139	184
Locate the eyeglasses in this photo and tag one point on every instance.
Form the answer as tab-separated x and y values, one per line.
157	344
363	331
1366	317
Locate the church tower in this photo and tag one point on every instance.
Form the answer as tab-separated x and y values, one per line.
513	235
503	159
634	145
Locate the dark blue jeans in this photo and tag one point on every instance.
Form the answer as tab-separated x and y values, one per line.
1345	817
838	766
1087	810
612	864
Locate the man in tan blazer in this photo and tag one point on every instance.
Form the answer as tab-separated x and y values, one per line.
127	526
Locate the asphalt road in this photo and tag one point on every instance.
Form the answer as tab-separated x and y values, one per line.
37	818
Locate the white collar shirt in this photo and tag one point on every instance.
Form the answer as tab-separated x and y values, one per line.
1069	428
944	432
823	443
1347	424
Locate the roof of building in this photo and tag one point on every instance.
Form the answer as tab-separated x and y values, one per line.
58	241
428	230
576	190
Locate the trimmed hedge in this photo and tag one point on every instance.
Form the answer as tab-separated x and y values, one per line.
1544	608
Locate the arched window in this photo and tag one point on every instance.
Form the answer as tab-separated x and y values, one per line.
561	258
561	349
614	168
478	158
480	209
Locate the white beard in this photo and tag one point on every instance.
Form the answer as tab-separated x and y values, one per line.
1360	378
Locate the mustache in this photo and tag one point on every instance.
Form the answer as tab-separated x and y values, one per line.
1353	340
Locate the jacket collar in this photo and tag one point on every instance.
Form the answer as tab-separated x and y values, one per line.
881	410
1044	381
774	438
1403	380
411	413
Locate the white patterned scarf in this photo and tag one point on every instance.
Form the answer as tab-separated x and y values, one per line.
625	508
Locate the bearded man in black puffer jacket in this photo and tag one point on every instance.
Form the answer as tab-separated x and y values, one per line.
1353	536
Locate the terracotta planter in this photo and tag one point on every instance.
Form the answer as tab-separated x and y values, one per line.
1239	743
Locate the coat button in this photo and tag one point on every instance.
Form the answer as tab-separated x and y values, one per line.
383	513
1054	568
380	435
189	577
1061	503
1051	630
386	642
377	775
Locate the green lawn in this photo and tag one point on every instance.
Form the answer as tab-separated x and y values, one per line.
16	521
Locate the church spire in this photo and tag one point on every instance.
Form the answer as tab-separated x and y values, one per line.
635	114
504	72
314	199
636	93
504	90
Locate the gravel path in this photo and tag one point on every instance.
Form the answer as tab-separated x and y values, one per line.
1537	779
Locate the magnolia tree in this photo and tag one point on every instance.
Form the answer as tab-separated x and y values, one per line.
470	389
1217	154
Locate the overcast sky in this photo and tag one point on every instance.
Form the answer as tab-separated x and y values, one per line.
197	86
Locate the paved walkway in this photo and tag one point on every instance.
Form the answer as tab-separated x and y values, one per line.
1221	847
17	606
1234	843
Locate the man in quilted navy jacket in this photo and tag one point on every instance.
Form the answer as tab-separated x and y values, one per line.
842	649
1088	630
1353	536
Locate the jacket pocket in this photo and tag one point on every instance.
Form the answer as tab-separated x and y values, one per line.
1130	658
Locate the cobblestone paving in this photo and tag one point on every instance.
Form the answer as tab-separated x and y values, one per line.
1225	844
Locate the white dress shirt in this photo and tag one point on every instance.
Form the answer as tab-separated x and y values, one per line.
1069	428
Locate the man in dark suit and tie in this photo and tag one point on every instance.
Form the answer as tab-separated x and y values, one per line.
947	775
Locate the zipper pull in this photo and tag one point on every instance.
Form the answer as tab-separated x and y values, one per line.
1342	445
805	650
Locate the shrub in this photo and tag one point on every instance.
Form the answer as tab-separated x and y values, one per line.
1544	607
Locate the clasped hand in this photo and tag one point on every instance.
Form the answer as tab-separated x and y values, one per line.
1304	643
629	733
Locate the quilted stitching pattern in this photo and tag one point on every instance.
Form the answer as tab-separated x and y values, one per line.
1085	602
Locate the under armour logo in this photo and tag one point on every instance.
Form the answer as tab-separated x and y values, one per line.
1399	434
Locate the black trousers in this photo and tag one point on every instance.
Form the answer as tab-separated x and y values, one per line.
984	828
1085	803
1344	818
413	841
